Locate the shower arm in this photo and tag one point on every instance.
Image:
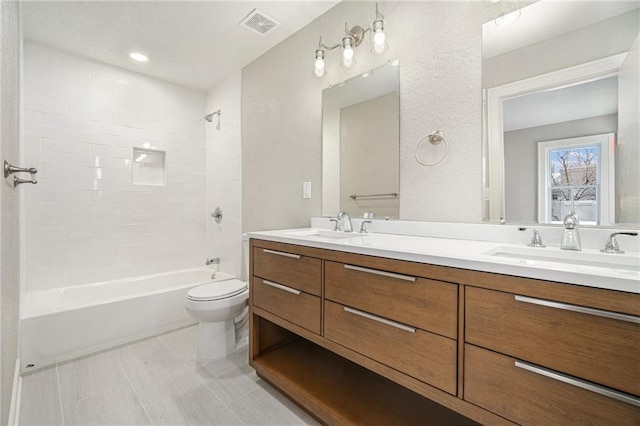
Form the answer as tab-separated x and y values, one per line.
209	117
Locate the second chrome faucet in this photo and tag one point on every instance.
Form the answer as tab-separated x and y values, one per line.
570	236
344	222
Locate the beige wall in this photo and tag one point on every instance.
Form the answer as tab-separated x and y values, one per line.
439	48
9	223
369	156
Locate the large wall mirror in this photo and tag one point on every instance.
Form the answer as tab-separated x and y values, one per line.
360	144
562	118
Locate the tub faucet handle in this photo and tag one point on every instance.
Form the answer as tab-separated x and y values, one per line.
212	261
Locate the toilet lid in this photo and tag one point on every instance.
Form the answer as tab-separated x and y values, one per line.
217	290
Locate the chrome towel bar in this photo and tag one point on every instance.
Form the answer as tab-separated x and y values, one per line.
391	194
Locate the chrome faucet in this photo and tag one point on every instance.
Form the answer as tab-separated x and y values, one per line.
570	236
536	239
611	246
363	226
367	216
345	222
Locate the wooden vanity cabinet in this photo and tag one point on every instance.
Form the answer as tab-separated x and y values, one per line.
418	353
593	344
406	298
498	383
394	319
288	283
535	360
357	339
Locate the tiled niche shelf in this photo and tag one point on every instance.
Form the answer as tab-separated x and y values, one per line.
148	167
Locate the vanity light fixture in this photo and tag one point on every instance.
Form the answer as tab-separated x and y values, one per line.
353	38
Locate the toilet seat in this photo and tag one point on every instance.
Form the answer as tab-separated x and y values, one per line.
216	291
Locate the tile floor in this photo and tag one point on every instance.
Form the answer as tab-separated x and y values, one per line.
155	381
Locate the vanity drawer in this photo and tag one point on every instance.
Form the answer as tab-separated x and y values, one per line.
290	304
288	268
567	338
417	353
522	393
426	304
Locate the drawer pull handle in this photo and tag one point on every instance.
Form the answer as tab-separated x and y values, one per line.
279	253
381	320
580	309
282	287
620	396
383	273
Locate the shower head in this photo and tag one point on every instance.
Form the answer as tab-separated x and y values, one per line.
209	118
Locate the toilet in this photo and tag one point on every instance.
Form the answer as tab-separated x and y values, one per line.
218	306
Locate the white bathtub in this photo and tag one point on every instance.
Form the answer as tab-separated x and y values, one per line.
65	323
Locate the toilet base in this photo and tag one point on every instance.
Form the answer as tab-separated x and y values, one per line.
216	340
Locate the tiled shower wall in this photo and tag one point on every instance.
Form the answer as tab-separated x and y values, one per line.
85	219
224	175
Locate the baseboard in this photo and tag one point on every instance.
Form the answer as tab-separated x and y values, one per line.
16	396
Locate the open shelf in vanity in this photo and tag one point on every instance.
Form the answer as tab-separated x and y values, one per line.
339	391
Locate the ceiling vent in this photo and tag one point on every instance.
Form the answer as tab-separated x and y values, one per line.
259	22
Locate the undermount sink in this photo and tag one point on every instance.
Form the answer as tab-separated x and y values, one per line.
323	233
627	262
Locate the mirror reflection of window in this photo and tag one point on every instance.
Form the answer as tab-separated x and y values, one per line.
577	178
567	112
542	85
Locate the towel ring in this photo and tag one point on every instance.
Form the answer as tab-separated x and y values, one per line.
434	138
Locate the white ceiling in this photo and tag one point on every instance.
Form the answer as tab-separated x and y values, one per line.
546	19
192	43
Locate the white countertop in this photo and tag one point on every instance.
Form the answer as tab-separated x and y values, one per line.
589	268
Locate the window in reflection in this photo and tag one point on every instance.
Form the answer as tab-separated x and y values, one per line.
576	179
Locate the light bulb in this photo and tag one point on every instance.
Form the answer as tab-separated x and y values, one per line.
347	53
378	36
318	69
379	47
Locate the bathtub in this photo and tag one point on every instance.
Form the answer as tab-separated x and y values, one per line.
65	323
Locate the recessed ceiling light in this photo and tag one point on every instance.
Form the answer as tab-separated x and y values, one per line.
138	57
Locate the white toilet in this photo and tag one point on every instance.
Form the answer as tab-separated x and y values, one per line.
216	305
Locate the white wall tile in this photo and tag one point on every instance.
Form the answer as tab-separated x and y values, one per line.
224	174
86	221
